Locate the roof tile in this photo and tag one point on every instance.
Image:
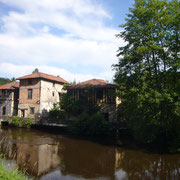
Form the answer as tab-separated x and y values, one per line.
11	85
94	82
44	76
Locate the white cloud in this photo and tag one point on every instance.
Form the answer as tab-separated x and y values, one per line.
11	70
58	33
51	49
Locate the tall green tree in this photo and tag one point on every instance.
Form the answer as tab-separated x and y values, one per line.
35	70
148	72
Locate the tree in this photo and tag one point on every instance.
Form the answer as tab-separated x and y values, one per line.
148	74
13	79
4	81
35	70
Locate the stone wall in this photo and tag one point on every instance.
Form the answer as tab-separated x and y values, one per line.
45	93
6	102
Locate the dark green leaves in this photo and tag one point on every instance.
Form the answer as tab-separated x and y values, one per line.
148	72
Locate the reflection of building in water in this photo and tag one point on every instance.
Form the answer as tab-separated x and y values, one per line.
119	156
89	160
36	154
38	159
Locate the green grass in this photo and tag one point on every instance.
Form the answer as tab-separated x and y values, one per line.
10	173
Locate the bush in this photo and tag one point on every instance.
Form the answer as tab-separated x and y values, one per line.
8	118
90	125
55	112
21	122
9	174
27	122
17	121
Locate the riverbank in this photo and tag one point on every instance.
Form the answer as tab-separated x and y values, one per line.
7	173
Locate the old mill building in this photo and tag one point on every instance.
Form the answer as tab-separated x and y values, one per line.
37	94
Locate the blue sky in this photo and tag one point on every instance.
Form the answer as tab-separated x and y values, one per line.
71	38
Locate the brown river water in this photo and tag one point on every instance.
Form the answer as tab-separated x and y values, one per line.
48	156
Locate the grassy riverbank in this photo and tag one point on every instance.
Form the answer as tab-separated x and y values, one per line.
10	173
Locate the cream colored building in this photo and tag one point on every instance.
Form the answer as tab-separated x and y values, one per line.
37	94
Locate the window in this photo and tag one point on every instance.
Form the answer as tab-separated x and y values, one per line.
29	93
0	93
53	84
32	110
29	81
53	93
4	110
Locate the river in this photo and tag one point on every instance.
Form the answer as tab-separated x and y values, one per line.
48	156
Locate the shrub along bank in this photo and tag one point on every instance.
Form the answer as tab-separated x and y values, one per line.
20	122
10	174
89	121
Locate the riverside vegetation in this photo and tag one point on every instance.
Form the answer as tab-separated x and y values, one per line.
10	174
20	122
148	73
89	122
147	78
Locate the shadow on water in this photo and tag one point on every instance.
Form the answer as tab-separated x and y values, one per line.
46	156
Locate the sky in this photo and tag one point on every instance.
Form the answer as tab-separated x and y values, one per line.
74	39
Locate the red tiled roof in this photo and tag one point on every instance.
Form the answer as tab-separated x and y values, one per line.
94	82
97	83
11	85
44	76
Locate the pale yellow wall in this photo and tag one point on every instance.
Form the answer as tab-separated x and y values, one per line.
47	157
12	104
118	101
46	98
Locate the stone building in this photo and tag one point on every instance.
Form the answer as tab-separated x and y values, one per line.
9	95
100	92
38	93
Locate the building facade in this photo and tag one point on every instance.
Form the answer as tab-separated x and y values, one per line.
9	97
37	94
97	91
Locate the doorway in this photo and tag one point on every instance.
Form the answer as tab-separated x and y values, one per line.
23	113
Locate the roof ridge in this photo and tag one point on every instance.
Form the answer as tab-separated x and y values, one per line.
44	76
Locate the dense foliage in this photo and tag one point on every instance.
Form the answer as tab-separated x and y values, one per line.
148	72
90	125
21	122
88	121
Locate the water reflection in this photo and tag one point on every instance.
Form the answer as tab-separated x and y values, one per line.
57	157
38	155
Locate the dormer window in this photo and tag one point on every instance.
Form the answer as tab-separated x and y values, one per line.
29	81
